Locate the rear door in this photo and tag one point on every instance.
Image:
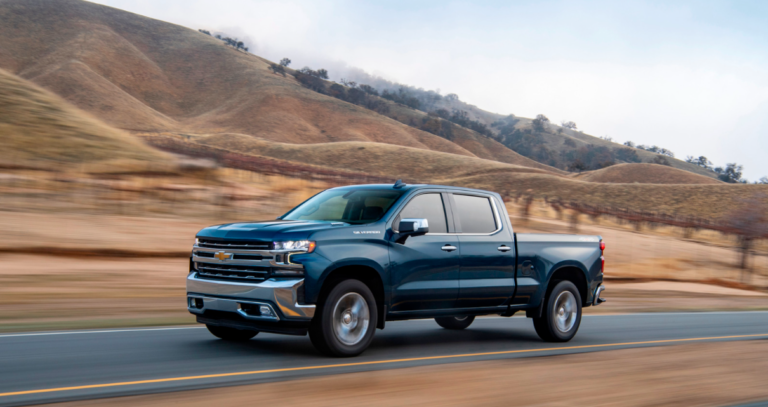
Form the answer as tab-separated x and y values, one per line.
487	266
425	269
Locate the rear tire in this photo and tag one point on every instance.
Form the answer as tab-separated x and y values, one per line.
561	316
231	334
345	322
455	323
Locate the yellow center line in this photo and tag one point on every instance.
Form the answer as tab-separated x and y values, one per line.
379	362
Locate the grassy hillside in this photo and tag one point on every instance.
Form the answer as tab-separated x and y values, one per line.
697	197
644	174
141	74
37	125
370	158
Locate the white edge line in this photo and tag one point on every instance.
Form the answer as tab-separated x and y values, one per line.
407	320
100	332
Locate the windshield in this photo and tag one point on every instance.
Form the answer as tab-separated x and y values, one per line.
351	206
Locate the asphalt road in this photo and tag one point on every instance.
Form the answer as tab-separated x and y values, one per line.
59	366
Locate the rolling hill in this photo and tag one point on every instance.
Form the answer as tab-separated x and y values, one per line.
140	74
645	174
145	76
38	126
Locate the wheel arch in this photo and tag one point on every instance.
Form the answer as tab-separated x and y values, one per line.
368	275
572	273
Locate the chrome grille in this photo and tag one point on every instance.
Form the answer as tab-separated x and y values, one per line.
235	244
233	272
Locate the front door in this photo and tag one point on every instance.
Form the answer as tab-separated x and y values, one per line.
425	269
487	274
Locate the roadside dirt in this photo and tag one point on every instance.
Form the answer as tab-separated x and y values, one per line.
707	374
84	286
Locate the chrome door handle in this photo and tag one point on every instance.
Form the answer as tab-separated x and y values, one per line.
504	248
449	248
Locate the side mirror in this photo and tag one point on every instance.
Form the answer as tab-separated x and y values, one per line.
413	227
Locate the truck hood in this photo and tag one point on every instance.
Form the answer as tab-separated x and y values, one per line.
268	230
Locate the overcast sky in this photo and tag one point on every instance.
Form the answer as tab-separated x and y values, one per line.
690	76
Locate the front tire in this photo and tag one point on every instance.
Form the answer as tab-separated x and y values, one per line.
346	321
561	316
231	334
455	323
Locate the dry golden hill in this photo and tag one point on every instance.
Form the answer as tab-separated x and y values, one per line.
37	125
371	158
715	200
644	174
142	74
701	200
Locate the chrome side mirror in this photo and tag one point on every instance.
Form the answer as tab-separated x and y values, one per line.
413	227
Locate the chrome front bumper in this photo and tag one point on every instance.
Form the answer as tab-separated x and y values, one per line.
281	296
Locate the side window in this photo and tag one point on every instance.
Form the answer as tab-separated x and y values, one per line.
475	214
426	206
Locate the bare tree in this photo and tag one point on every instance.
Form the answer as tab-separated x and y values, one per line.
568	125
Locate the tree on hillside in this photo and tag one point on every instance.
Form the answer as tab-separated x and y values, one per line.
369	90
285	62
452	97
589	157
627	155
763	180
539	123
657	150
629	144
661	160
349	84
568	125
320	73
730	174
701	161
206	32
277	69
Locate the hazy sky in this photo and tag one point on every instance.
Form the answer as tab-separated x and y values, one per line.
690	76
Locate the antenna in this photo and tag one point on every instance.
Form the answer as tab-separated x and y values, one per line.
399	184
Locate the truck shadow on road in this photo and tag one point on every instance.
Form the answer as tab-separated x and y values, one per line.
399	342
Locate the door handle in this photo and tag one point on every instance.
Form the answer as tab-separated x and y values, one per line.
504	248
449	248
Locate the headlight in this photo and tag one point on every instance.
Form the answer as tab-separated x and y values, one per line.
298	245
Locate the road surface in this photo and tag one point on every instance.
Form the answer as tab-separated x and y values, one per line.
72	365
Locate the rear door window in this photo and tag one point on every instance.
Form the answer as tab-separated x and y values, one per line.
475	214
429	207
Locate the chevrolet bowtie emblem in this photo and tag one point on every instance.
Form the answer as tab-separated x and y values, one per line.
223	256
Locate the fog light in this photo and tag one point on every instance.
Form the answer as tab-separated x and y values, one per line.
265	311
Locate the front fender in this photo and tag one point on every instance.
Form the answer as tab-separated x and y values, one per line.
334	257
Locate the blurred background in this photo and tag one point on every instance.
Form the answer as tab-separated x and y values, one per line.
123	135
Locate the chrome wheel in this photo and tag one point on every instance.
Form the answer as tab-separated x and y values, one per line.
566	311
351	317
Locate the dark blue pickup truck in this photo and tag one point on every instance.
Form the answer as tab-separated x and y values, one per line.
348	259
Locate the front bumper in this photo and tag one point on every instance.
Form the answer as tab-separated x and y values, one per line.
213	297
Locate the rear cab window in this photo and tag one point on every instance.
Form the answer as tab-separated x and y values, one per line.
475	214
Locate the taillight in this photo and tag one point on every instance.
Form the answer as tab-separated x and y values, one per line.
602	257
602	264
